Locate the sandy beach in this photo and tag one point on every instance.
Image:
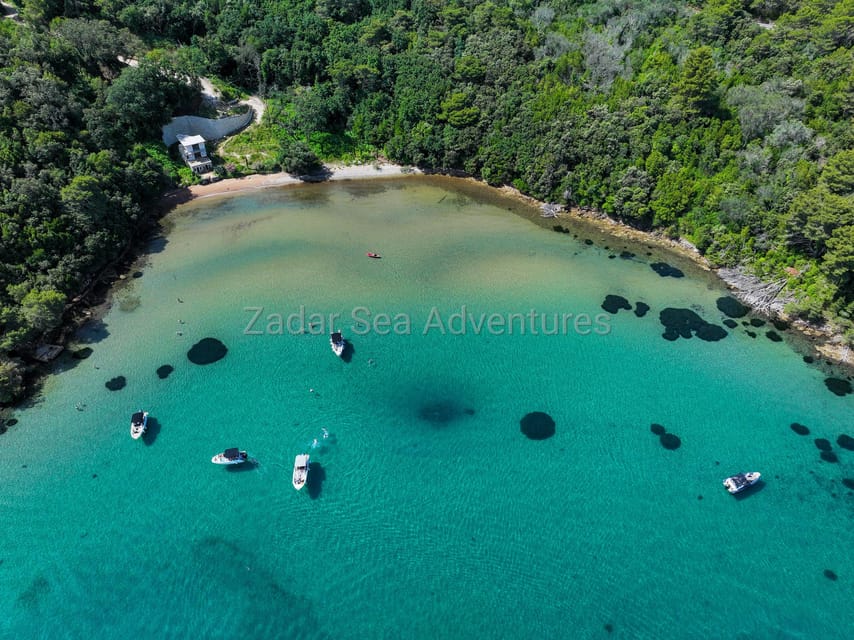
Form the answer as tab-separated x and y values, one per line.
331	172
824	340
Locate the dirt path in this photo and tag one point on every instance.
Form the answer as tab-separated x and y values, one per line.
211	95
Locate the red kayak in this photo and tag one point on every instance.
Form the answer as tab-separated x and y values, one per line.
371	254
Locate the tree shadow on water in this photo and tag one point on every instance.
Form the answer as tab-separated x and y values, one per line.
315	480
151	431
91	332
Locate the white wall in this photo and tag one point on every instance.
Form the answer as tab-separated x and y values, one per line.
207	128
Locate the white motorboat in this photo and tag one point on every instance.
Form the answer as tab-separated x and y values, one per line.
741	481
138	424
300	471
337	342
230	456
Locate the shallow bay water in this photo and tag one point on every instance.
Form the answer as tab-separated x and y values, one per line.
428	512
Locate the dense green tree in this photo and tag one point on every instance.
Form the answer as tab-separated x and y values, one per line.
696	86
706	121
11	380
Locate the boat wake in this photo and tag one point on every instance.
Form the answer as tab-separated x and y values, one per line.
323	442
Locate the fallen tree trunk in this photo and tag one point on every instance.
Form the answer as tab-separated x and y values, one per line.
760	294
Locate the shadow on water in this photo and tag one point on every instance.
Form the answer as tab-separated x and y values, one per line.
750	491
315	480
70	358
92	331
157	244
349	350
151	431
249	465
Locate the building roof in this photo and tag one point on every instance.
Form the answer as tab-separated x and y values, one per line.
189	141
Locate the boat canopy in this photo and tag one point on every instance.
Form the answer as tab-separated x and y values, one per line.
138	417
232	454
738	480
336	337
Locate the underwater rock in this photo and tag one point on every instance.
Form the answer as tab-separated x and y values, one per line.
752	334
136	274
81	354
684	323
670	441
848	482
640	309
114	384
757	322
207	351
731	307
588	242
164	371
830	575
829	456
666	271
846	442
823	444
729	322
809	359
537	425
780	325
773	336
626	255
800	429
838	386
613	304
657	429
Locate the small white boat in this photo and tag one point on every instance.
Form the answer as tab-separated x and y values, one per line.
740	481
138	424
337	342
230	456
300	471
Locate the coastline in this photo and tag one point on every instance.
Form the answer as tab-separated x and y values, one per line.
330	172
91	305
753	292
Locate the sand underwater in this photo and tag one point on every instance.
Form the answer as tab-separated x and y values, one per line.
436	506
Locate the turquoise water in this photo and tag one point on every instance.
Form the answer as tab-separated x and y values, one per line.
428	514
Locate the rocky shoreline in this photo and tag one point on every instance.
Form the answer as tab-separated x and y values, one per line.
764	297
767	298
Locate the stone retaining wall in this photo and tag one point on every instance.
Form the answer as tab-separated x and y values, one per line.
206	127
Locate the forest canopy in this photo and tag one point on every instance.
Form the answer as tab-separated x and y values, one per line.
727	122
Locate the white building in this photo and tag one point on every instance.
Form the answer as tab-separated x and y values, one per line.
193	151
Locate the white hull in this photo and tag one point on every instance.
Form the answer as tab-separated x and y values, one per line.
738	483
337	345
138	428
300	471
